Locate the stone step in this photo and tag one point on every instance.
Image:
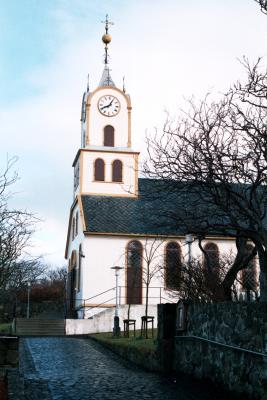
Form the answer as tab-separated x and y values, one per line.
40	327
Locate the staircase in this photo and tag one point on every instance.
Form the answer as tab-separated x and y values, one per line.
40	327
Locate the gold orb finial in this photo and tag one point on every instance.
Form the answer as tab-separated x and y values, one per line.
106	38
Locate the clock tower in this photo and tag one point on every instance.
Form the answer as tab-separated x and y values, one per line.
106	164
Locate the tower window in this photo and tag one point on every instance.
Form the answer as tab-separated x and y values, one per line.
117	171
99	170
109	136
173	265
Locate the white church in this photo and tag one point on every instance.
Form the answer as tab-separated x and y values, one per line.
111	223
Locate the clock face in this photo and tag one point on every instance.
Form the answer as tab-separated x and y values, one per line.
109	105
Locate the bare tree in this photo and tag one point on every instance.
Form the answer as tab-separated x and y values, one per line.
16	229
217	156
153	264
202	279
263	5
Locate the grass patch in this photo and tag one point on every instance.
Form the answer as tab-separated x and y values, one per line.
134	342
140	351
6	327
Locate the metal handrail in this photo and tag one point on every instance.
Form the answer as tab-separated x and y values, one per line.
88	307
98	305
120	287
99	294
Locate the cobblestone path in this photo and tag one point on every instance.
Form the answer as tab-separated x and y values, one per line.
80	369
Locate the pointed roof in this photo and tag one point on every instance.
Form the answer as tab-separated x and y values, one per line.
106	79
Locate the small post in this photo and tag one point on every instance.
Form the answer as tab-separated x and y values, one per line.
28	302
116	327
119	295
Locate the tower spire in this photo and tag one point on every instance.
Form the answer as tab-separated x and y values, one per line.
106	38
106	79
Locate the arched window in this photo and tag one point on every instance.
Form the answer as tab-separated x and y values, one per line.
212	261
73	260
73	228
76	223
249	275
73	280
173	266
79	267
99	170
134	272
117	171
109	136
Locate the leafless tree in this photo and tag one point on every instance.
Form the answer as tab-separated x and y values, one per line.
214	158
16	229
153	264
151	259
202	282
263	5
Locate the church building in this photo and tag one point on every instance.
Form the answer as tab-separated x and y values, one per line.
111	221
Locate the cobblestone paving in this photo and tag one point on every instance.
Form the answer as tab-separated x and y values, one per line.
80	369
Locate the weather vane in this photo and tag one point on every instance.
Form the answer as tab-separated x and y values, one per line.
106	38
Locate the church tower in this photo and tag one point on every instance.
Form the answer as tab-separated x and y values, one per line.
106	165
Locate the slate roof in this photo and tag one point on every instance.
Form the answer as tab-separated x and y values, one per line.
154	212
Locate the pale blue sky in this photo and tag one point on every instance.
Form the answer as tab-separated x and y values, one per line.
31	33
168	50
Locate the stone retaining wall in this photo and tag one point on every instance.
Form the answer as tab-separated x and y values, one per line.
9	351
9	358
238	324
226	342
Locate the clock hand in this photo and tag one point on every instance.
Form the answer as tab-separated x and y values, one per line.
108	105
102	108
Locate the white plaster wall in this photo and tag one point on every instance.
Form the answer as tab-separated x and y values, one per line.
108	187
103	321
74	245
103	252
97	121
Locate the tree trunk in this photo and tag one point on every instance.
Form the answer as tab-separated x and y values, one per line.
242	260
263	274
147	287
